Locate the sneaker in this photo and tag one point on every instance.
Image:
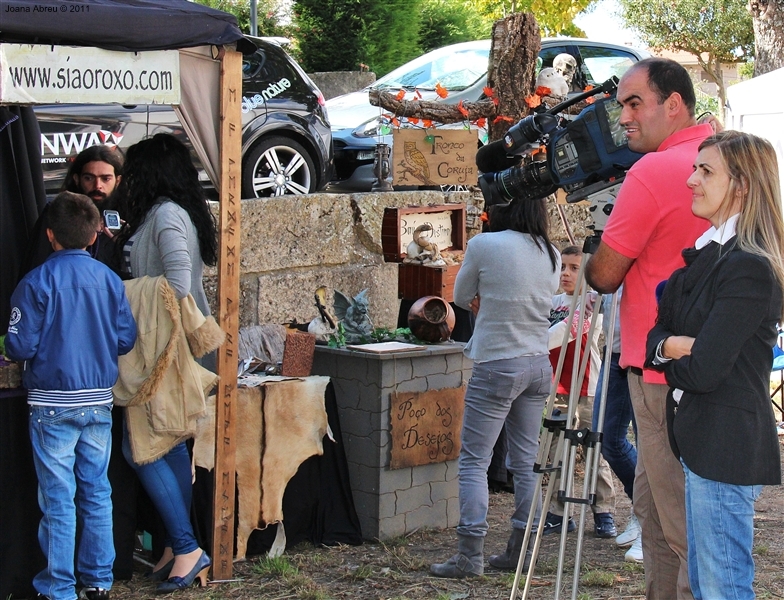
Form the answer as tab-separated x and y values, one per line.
553	524
634	554
93	593
631	533
604	525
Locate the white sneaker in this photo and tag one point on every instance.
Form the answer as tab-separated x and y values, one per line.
631	533
634	554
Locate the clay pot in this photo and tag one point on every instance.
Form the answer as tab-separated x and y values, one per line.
431	319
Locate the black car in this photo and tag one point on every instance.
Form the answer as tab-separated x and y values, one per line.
286	136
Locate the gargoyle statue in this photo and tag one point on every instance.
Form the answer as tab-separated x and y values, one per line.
353	313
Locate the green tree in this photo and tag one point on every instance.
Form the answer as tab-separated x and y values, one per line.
447	22
341	35
715	31
267	17
554	17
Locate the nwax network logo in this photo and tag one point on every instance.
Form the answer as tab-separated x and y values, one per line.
65	144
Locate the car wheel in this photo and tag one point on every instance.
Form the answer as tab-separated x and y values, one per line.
277	166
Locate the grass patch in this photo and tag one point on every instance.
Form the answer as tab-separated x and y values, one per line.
761	550
362	572
279	566
584	596
599	578
633	567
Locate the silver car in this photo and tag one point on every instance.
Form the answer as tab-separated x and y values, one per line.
357	126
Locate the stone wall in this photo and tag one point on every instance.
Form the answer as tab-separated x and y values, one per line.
337	83
294	244
391	503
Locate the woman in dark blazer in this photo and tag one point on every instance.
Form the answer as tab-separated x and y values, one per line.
713	340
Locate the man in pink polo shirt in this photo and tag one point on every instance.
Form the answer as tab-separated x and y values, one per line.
641	246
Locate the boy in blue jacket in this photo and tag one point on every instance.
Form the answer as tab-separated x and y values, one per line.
70	320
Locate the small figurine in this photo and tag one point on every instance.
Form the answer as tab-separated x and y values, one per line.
421	251
353	313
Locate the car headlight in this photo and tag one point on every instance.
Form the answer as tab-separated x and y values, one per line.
368	129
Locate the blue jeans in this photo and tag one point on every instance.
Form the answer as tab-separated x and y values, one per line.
720	536
511	391
71	448
167	482
619	453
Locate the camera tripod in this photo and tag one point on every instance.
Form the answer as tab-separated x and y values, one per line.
558	429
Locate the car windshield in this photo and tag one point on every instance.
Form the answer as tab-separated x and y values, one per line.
454	70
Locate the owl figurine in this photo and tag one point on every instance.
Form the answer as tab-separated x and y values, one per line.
416	162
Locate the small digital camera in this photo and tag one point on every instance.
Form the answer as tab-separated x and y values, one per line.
112	220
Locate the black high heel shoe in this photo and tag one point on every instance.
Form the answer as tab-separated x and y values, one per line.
162	573
199	571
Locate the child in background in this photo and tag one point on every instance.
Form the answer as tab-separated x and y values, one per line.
70	320
571	259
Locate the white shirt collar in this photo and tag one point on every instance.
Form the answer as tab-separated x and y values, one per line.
721	236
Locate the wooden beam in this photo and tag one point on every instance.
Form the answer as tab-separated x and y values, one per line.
228	313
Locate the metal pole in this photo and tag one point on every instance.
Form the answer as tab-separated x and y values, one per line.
254	26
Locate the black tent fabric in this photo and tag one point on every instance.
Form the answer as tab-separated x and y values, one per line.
22	195
125	25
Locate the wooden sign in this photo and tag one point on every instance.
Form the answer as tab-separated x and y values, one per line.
426	426
434	157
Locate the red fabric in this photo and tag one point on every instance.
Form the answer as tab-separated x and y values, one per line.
652	222
565	383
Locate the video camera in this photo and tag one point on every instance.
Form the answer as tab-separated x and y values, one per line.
587	156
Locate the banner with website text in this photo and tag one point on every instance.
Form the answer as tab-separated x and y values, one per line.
36	74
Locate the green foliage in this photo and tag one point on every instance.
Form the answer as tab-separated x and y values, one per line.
746	70
446	22
554	17
707	103
337	339
341	35
714	31
2	345
267	17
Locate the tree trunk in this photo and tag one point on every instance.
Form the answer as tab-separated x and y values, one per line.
512	70
511	74
768	17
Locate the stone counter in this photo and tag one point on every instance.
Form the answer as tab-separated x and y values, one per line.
390	502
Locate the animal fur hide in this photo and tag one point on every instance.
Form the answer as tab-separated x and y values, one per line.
278	426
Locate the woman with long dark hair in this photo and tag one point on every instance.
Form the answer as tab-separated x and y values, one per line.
171	232
713	340
508	278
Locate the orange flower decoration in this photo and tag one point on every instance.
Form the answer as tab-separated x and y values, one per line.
533	101
488	91
413	120
503	118
441	91
395	122
427	123
400	95
484	218
461	109
481	122
543	91
417	94
496	101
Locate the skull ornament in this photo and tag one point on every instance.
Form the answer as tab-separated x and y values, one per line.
566	65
